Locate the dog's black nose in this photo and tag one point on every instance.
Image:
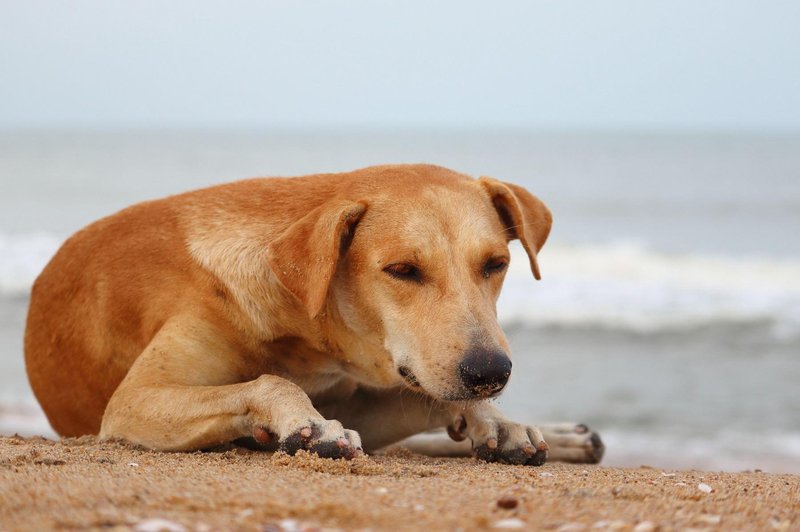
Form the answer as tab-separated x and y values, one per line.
485	372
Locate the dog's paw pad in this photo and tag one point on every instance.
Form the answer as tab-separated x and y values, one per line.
332	449
514	456
485	453
519	456
296	441
537	459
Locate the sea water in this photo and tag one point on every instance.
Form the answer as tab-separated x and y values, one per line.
668	317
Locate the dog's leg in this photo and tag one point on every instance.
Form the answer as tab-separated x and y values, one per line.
495	438
182	394
568	442
388	416
399	418
383	417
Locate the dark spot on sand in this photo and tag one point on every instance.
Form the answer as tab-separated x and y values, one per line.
49	461
507	502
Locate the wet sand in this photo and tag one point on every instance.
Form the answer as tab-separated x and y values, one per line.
100	485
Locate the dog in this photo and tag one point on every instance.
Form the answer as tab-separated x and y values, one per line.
334	313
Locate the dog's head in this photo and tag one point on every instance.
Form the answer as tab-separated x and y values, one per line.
407	275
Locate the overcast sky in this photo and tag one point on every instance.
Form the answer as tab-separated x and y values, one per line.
680	64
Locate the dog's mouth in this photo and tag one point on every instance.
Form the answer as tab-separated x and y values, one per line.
473	396
408	376
481	393
488	391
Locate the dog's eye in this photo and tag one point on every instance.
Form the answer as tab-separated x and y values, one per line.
495	265
404	272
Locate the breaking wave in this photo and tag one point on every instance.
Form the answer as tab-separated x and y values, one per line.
618	285
627	286
22	257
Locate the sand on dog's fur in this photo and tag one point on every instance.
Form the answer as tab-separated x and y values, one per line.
83	483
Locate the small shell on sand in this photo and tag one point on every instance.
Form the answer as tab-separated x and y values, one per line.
708	519
705	488
571	527
617	524
511	522
156	524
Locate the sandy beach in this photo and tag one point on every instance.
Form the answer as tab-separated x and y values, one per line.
86	484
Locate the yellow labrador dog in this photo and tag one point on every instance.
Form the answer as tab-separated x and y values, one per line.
332	313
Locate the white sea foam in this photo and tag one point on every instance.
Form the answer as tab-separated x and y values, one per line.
22	257
628	286
776	452
22	415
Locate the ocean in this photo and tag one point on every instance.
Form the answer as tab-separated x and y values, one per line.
668	317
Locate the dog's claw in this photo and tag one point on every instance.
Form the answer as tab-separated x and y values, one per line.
528	449
457	431
262	435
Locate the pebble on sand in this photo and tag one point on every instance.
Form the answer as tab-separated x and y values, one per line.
157	524
705	488
507	502
511	522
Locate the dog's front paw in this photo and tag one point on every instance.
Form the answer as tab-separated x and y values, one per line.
500	440
328	439
571	442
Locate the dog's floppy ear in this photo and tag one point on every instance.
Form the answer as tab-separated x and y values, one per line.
524	216
304	257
